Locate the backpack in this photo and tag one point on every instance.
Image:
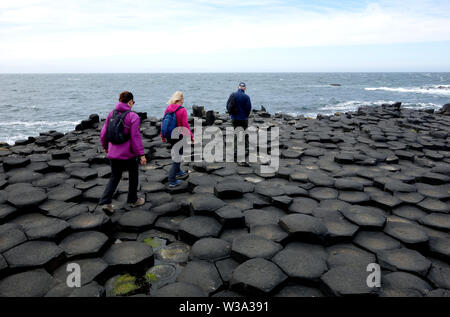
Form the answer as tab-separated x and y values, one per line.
169	122
231	105
116	125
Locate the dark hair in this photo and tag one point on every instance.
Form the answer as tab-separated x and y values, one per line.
126	96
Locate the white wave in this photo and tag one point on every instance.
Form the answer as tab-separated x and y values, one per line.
432	90
353	105
12	139
38	123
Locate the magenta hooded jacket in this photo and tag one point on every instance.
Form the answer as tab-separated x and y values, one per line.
133	147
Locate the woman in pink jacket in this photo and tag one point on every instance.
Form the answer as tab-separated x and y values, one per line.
175	102
123	156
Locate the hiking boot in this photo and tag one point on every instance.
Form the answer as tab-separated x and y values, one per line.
108	208
138	203
175	184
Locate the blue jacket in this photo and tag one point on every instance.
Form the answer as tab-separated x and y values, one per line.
243	104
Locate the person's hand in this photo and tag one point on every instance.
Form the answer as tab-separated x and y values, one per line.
164	140
106	151
143	160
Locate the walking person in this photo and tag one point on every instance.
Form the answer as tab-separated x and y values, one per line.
239	106
175	116
122	141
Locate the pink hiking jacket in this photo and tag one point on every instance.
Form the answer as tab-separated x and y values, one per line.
133	147
181	118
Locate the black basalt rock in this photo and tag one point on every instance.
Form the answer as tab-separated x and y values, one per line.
302	261
197	227
129	256
257	277
27	284
251	246
303	227
203	274
34	254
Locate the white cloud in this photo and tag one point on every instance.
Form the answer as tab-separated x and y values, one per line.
46	30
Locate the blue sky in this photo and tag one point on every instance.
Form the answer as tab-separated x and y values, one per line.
224	35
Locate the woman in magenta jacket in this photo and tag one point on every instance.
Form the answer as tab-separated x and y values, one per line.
175	102
124	156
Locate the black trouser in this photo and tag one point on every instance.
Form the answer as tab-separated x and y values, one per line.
240	123
117	168
244	125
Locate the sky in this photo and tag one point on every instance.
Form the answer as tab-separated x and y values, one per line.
99	36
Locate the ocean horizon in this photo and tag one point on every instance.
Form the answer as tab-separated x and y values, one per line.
38	102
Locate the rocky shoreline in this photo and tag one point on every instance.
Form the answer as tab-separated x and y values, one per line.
370	186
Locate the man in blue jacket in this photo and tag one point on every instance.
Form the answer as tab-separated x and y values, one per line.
243	105
240	117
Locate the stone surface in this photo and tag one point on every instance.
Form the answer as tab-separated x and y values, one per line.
257	276
439	274
210	249
84	173
83	243
321	193
302	261
205	204
32	254
88	221
347	280
434	205
130	255
375	241
403	259
303	205
405	281
197	227
91	269
365	217
251	246
353	188
64	193
37	226
406	232
26	197
137	220
348	254
270	232
161	275
226	268
11	236
177	252
300	226
27	284
203	274
436	220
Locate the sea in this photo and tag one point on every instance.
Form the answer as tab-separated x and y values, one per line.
35	103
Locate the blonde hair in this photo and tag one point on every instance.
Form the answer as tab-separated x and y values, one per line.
176	97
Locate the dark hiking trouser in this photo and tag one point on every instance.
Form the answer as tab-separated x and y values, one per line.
244	125
240	123
176	167
117	168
